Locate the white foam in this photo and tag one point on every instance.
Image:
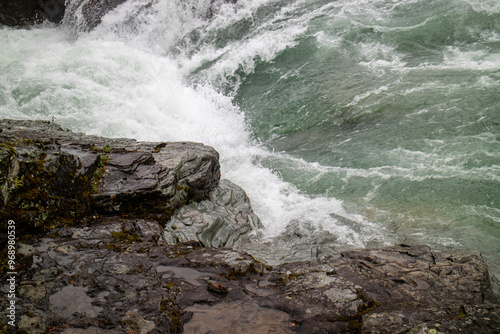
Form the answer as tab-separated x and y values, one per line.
485	6
473	60
358	98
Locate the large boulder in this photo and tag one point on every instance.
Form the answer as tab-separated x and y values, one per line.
219	221
51	176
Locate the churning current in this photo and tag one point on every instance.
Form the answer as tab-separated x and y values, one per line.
349	123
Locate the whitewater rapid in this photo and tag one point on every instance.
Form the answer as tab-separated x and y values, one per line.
130	77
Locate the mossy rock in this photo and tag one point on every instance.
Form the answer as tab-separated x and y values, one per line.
40	189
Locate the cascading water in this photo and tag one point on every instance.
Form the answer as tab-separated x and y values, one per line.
348	123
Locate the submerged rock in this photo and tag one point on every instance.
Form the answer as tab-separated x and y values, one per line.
88	14
94	10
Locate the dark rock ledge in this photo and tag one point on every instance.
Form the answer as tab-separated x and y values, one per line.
117	236
84	14
29	12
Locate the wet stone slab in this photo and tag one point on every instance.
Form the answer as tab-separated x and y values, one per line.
105	285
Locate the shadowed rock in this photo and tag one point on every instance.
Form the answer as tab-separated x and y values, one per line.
20	12
29	12
53	10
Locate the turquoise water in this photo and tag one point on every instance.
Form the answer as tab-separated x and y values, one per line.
384	112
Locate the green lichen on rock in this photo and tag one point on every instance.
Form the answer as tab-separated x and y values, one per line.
41	189
126	236
170	308
8	170
114	248
3	327
94	179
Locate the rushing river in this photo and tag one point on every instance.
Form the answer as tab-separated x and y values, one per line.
349	123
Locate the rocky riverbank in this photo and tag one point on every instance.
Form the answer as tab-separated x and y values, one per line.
120	236
84	14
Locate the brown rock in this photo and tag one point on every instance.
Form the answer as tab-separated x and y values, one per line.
217	287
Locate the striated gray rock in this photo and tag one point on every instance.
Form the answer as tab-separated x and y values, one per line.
119	275
219	221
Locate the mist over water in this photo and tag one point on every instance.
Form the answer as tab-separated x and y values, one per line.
370	121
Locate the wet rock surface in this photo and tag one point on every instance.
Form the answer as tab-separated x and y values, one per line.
131	237
84	14
94	280
88	14
220	221
94	10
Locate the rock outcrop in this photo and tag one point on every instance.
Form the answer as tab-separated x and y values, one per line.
52	177
120	236
51	174
29	12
